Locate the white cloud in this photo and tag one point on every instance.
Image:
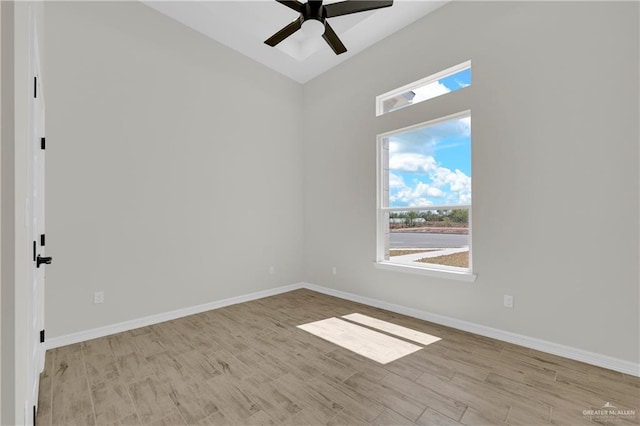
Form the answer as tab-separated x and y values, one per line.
465	125
423	189
429	91
458	183
412	162
420	202
396	181
450	187
413	196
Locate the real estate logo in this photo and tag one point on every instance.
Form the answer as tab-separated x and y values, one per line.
609	413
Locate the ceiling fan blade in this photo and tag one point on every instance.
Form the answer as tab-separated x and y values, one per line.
332	39
354	6
292	4
284	33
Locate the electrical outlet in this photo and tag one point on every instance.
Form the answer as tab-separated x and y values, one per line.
508	301
272	270
98	297
334	270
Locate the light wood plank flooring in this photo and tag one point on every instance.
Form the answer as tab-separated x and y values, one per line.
248	364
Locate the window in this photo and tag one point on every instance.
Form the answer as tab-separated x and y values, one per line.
425	191
424	198
449	80
424	183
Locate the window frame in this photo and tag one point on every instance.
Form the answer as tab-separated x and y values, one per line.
382	221
418	84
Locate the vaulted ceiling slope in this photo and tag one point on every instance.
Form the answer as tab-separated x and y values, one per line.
244	25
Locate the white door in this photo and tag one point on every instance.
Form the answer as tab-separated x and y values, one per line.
36	225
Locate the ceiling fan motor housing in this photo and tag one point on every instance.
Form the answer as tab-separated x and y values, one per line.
314	10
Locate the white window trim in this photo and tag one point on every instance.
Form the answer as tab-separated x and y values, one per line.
440	271
416	84
449	274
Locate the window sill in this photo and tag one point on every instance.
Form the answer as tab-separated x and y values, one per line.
431	272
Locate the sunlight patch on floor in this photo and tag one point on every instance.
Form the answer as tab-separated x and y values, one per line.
363	341
396	330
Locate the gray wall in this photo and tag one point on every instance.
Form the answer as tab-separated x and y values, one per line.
554	104
173	179
173	168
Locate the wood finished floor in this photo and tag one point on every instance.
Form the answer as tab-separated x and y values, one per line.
248	364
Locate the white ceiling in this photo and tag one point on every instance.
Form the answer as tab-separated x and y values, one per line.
244	25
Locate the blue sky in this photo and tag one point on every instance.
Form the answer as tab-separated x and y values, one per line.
431	165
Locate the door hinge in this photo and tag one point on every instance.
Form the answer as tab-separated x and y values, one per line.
34	251
42	336
35	86
34	415
42	143
42	240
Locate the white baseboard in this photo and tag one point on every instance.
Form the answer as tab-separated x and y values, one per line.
588	357
95	333
576	354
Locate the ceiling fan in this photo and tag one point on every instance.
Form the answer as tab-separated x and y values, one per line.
313	16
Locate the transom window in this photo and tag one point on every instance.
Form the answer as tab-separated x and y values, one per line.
449	80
